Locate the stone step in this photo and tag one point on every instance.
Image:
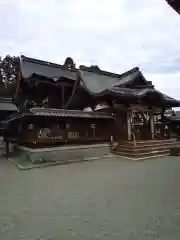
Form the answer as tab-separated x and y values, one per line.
147	143
142	155
143	158
145	149
150	141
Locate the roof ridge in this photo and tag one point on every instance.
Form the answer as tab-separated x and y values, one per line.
45	63
107	73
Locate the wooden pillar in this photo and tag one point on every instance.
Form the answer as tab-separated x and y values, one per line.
66	131
162	125
170	132
151	119
62	96
93	126
129	113
7	148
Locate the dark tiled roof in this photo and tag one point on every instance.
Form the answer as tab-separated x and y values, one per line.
67	113
167	97
30	67
96	82
172	101
100	83
138	93
106	73
141	93
45	112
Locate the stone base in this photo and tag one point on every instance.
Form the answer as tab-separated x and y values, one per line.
27	158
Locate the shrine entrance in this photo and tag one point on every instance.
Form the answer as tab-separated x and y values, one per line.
140	125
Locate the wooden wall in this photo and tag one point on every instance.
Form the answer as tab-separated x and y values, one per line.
63	131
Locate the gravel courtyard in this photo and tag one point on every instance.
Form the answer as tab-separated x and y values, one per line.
105	199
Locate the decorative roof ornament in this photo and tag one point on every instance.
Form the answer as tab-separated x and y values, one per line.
56	78
95	68
87	109
101	106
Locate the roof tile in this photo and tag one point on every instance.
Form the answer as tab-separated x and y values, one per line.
67	113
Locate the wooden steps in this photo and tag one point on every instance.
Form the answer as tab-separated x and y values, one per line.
145	149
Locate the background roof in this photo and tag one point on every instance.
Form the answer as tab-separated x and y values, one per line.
30	67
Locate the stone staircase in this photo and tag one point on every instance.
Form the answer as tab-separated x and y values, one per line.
138	150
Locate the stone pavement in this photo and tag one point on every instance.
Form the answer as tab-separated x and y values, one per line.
103	199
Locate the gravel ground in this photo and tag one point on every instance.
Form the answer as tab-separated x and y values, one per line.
105	199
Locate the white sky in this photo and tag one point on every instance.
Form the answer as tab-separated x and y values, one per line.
117	35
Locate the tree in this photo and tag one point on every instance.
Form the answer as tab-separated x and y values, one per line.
8	72
69	63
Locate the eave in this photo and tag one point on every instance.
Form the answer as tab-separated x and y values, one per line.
175	4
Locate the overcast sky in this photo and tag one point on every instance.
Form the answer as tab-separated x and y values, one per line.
117	35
